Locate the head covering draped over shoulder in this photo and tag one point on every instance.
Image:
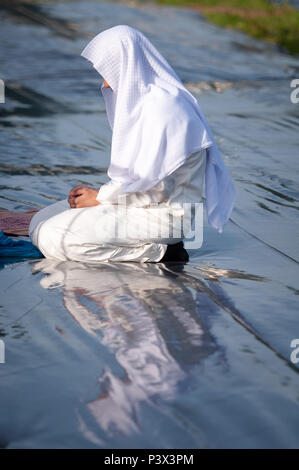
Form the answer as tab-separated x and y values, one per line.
156	122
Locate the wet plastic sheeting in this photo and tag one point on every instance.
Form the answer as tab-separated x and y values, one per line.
130	355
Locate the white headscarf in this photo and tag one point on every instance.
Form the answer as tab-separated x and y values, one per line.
156	122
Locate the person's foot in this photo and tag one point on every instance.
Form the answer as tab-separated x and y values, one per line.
175	252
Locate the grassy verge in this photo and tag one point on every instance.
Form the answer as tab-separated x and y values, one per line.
278	24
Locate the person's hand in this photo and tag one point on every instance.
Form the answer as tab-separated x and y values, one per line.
81	196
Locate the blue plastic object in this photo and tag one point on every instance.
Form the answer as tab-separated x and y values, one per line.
11	248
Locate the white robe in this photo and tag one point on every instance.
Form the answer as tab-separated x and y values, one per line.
156	122
124	226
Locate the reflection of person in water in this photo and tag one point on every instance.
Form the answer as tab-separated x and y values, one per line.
163	155
144	315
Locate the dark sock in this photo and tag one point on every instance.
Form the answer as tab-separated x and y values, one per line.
175	252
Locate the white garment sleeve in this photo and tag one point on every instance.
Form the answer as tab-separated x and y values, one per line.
111	193
108	193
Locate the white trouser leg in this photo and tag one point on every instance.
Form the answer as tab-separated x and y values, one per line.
89	234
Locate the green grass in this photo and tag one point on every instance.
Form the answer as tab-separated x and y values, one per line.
278	24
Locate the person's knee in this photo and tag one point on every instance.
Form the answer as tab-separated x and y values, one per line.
46	213
49	240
